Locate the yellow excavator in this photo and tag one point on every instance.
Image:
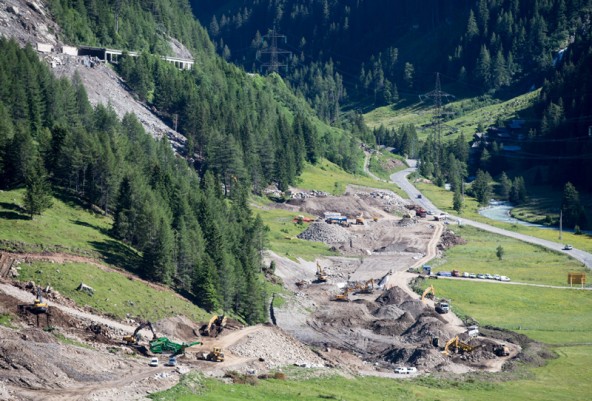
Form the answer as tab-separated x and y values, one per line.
134	339
343	297
39	307
321	275
427	291
457	344
366	288
214	327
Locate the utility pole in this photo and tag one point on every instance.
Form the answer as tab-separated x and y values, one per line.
274	52
438	97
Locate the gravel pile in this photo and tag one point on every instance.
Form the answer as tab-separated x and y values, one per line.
327	233
407	222
275	349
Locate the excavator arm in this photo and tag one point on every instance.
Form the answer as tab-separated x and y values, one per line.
427	291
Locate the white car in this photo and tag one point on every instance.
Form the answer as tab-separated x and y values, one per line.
496	277
504	278
153	362
472	275
466	275
173	361
488	276
405	371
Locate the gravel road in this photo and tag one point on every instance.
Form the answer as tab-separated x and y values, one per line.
400	178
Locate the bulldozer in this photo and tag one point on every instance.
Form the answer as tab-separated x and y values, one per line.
366	288
321	275
430	291
343	297
39	307
135	338
215	355
458	345
214	327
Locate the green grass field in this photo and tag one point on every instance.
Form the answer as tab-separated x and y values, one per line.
382	164
328	177
65	227
283	232
522	262
114	294
468	114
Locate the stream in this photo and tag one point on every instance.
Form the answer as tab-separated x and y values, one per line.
500	211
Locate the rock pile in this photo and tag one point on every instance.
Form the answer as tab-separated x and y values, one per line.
327	233
275	349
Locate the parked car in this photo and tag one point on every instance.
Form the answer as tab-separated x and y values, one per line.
472	275
465	275
496	277
504	278
153	362
567	247
405	371
488	276
480	275
172	361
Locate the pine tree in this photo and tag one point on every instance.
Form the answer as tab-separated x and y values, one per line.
505	186
457	201
573	212
38	196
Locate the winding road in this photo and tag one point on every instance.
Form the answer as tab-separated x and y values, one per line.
400	178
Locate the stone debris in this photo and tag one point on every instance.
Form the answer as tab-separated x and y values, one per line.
275	349
327	233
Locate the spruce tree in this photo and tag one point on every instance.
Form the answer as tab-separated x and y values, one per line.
38	196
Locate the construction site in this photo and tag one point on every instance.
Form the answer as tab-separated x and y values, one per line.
351	314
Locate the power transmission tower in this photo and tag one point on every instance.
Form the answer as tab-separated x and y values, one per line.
439	98
274	52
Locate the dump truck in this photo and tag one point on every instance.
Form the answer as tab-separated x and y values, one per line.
443	307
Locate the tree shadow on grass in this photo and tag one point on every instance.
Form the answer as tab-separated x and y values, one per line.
117	254
102	230
12	212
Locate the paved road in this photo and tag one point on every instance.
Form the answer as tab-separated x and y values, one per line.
400	178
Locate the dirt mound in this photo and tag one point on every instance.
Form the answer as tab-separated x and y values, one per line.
407	222
421	358
37	335
426	328
275	348
450	239
327	233
178	327
389	312
393	296
393	327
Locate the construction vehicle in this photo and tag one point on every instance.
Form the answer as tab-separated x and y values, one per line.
458	345
321	276
427	292
360	220
214	327
163	344
341	220
343	297
39	307
216	355
300	219
366	288
420	212
134	339
443	307
502	350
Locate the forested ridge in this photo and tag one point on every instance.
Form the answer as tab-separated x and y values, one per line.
380	51
190	234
